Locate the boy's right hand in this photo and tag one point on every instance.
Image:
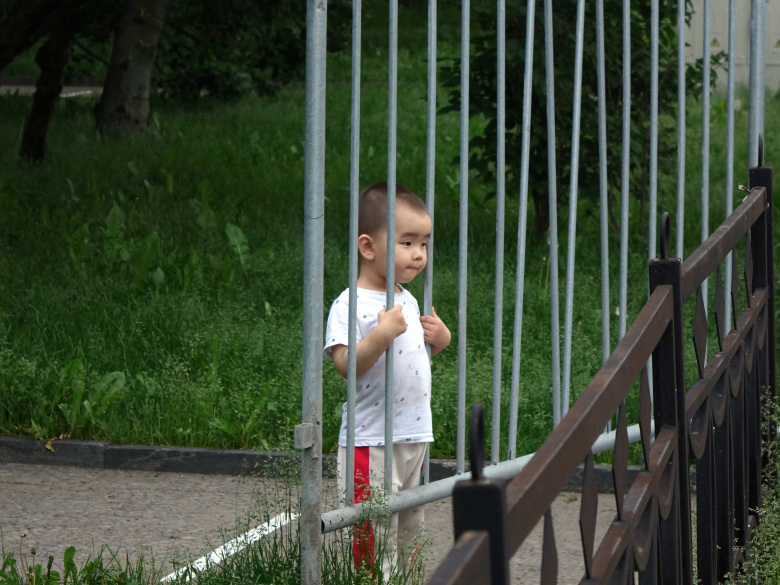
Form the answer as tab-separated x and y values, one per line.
390	324
392	321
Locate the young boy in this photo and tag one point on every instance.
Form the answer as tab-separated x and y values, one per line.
377	327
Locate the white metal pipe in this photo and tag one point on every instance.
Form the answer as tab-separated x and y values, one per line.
404	500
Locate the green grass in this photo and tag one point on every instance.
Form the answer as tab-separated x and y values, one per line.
132	311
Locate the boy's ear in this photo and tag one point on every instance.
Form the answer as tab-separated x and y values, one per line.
366	246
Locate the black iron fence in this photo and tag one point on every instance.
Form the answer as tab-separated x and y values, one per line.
719	424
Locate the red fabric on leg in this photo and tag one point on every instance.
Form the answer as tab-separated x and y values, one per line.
362	536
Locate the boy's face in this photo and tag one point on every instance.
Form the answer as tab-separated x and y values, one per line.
412	232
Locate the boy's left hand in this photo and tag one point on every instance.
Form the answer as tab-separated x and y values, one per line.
436	332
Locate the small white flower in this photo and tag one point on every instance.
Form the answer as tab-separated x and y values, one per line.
737	105
617	311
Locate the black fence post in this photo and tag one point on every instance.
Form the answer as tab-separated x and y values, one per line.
763	276
479	504
676	552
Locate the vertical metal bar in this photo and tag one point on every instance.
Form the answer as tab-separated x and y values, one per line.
430	182
681	65
761	176
498	310
354	190
575	166
705	138
761	242
730	144
724	479
653	195
754	423
552	202
739	447
313	272
605	343
624	175
665	413
602	97
463	232
392	125
757	80
755	420
521	228
669	407
706	495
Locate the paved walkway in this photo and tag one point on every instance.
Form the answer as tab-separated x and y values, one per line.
180	517
26	86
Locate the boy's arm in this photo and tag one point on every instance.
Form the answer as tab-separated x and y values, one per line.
436	332
390	325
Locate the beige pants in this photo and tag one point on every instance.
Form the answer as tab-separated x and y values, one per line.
397	537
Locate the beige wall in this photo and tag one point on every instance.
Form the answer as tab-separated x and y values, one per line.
719	38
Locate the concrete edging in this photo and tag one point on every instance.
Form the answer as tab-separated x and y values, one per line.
106	455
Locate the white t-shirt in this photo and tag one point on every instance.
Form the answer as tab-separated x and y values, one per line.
411	372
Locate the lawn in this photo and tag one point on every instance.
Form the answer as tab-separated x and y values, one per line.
151	289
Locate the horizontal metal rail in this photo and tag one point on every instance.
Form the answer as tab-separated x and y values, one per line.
703	262
533	490
424	494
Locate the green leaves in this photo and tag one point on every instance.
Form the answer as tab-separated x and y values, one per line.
114	233
70	566
72	382
145	257
87	406
78	245
237	241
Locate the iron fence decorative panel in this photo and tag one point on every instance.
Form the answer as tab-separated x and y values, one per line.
717	424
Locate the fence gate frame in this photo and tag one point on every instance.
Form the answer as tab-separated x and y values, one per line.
721	421
681	418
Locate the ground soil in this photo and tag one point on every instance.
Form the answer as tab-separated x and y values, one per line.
176	518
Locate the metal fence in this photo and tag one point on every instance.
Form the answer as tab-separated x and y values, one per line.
309	433
721	421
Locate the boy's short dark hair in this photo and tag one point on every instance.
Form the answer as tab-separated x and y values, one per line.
372	207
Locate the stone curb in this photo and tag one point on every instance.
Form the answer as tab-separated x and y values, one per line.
106	455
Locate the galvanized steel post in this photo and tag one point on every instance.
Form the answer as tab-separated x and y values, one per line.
757	78
463	232
521	227
653	195
573	186
604	220
392	125
552	206
354	191
602	98
498	307
624	174
730	144
681	65
705	137
430	183
310	437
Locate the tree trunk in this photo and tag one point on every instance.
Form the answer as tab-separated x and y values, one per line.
124	105
542	209
51	58
27	21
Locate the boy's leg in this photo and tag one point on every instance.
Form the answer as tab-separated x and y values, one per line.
408	459
365	480
369	478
